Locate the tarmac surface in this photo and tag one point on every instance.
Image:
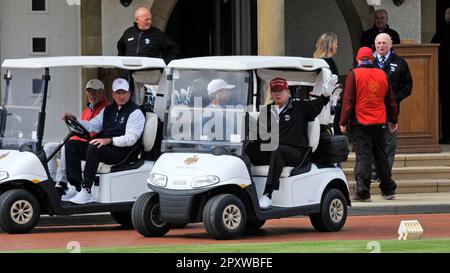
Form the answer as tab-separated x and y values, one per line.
377	220
377	227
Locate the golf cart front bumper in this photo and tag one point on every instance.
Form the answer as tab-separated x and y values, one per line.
179	206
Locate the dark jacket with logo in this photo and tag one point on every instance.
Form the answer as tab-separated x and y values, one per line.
368	37
115	120
399	75
147	43
293	120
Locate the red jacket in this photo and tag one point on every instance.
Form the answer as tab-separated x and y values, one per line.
89	114
368	98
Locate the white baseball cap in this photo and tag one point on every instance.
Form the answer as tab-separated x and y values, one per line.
120	84
95	84
218	84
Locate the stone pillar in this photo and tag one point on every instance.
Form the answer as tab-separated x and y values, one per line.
91	41
161	11
271	40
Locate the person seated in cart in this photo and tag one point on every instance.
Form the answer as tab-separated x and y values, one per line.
292	118
119	126
95	93
219	94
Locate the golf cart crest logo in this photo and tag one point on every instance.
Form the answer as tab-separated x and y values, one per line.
191	160
3	155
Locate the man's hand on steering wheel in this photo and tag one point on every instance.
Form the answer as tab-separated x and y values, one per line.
75	127
67	115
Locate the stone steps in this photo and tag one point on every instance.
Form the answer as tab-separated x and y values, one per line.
412	186
413	173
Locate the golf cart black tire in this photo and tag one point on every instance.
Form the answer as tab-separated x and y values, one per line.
254	225
7	200
123	218
213	216
141	215
322	221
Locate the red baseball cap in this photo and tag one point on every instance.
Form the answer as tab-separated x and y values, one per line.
365	52
278	84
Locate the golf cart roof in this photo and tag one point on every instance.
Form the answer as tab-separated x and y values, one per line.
129	63
238	63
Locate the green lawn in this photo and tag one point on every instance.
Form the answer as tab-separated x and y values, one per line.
386	246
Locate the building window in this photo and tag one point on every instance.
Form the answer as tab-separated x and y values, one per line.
39	45
38	6
36	86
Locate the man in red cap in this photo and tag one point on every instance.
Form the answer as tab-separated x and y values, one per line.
368	104
292	119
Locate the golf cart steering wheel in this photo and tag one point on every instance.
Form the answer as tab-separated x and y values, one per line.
75	128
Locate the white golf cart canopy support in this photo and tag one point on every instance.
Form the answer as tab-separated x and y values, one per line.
239	63
129	63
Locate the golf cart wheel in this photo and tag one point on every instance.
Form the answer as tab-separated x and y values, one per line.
146	216
123	218
19	211
333	212
224	216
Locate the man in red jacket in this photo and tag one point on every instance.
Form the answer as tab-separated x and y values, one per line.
95	93
368	105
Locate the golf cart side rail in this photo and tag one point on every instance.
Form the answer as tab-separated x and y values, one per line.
129	63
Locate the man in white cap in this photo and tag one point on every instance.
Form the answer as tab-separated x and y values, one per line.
119	126
95	93
213	117
219	92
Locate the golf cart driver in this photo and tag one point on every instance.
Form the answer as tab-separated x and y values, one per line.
203	179
95	94
292	121
26	188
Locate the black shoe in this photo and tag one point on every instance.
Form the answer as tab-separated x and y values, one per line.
357	198
59	191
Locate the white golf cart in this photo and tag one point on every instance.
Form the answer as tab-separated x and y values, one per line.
26	188
204	174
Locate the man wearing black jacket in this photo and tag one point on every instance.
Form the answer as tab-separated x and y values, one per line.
145	40
442	37
292	119
379	26
399	75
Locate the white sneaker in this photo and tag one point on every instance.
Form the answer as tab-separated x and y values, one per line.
70	193
265	202
83	197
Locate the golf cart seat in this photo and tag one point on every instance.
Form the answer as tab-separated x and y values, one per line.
305	164
132	160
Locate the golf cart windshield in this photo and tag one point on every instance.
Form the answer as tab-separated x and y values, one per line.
19	113
207	109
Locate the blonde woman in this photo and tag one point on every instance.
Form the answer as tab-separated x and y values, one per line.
326	48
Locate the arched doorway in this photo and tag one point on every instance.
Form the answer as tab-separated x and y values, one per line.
209	27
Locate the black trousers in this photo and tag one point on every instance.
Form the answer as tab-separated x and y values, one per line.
369	142
282	157
80	150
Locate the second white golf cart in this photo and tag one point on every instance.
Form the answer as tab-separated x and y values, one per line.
26	187
208	178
